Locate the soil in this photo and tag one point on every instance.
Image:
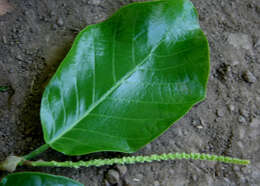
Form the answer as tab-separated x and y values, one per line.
36	35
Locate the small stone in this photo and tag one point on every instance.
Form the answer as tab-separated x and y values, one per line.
19	57
249	77
257	44
200	127
244	112
220	112
246	170
94	2
156	183
185	132
4	39
45	19
106	183
122	169
52	13
231	108
241	119
255	123
241	132
234	63
148	147
138	178
194	177
236	168
202	122
194	123
54	26
127	183
60	22
112	176
240	40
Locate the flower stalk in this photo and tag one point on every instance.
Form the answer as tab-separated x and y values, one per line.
138	159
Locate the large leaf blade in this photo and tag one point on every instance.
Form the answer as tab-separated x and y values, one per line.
126	80
37	179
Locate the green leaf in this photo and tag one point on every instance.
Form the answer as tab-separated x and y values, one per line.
37	179
127	80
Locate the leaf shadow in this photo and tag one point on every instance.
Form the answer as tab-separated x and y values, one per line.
29	116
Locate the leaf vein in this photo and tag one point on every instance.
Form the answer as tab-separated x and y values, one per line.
102	98
62	102
124	118
77	95
113	55
94	72
112	136
150	102
133	41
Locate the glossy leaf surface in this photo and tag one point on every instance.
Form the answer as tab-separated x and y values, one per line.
37	179
127	79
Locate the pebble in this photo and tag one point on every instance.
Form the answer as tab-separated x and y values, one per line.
244	112
139	176
194	177
234	63
106	183
52	13
4	39
60	22
112	176
246	170
127	184
249	77
255	123
194	123
231	108
241	119
185	132
257	44
122	169
19	57
236	168
94	2
241	132
148	147
54	26
156	183
220	112
240	40
202	122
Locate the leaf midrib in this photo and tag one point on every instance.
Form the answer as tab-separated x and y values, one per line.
93	106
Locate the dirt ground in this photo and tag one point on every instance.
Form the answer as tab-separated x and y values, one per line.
36	35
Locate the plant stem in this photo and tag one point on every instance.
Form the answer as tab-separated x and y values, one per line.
36	152
11	162
138	159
